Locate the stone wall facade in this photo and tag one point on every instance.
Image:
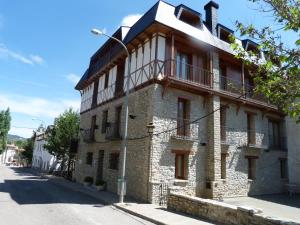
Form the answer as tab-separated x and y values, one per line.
293	131
150	164
221	212
137	151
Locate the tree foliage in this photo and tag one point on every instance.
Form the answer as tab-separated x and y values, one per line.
59	136
278	76
5	120
27	145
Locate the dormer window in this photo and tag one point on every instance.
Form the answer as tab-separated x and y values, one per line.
188	16
224	33
251	46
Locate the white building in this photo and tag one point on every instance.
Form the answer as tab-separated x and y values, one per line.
11	154
41	158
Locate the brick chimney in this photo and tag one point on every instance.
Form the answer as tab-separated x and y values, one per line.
211	16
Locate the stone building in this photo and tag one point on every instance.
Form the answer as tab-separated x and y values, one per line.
293	132
214	136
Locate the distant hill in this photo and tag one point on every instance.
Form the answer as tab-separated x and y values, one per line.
12	137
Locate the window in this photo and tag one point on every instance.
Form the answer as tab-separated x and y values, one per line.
182	66
104	121
283	168
251	167
223	122
188	16
251	129
114	161
106	80
274	134
120	79
118	120
95	93
183	117
180	166
89	158
223	75
93	125
223	165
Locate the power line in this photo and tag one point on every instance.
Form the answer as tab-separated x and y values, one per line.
194	121
24	127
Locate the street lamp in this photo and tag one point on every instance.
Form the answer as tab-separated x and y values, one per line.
150	128
124	140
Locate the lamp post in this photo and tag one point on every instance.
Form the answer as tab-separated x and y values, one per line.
124	140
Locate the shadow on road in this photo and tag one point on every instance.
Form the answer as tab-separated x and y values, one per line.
30	189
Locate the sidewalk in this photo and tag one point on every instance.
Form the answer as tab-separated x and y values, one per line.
159	215
150	212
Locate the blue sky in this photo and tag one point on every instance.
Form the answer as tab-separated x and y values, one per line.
45	47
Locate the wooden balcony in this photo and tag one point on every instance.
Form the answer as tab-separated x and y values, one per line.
183	76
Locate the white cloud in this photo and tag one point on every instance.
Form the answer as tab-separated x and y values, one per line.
130	19
31	59
73	78
21	131
37	107
37	59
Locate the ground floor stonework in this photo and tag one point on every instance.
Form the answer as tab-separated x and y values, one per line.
226	154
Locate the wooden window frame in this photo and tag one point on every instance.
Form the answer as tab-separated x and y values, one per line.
93	125
279	137
106	80
104	121
183	129
283	168
184	154
223	165
251	167
118	119
114	159
95	93
223	115
89	158
251	132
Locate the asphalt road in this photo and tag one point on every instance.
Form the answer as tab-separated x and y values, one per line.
26	199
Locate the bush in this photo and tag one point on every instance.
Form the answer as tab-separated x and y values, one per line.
100	183
88	180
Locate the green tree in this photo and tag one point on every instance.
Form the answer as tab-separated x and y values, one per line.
5	120
60	135
27	145
278	76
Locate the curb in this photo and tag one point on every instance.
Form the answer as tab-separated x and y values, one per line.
81	189
118	206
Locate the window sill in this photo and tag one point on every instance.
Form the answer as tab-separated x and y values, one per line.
180	182
224	180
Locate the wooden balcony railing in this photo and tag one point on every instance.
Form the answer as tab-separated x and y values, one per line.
187	73
158	70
